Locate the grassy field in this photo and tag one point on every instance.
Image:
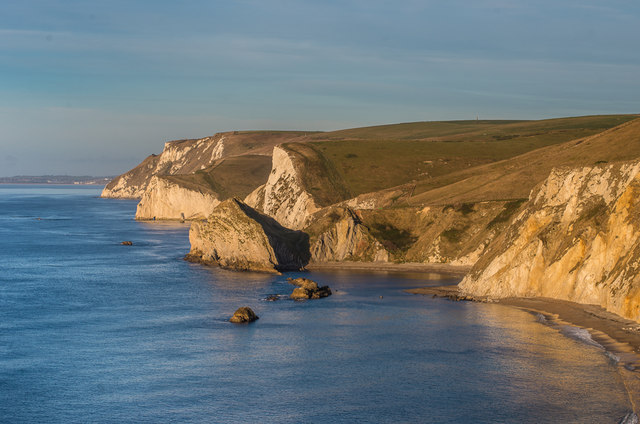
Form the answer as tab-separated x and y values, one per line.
515	177
319	175
373	158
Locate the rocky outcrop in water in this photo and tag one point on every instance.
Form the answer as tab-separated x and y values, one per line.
243	315
577	239
307	289
238	237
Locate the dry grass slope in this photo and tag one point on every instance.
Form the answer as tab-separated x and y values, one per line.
514	178
374	158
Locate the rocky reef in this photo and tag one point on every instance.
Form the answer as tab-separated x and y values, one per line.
238	237
577	239
307	289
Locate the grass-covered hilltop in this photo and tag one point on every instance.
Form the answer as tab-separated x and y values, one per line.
425	192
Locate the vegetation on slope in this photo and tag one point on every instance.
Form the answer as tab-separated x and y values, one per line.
234	176
515	177
374	158
319	175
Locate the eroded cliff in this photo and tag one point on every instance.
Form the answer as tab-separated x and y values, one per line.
182	157
300	183
166	199
238	237
577	239
194	196
339	235
177	157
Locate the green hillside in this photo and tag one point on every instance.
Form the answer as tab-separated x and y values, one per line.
373	158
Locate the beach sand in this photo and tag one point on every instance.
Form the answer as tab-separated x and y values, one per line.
444	269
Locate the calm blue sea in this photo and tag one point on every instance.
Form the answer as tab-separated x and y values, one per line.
93	331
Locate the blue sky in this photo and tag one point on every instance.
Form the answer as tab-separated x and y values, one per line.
93	87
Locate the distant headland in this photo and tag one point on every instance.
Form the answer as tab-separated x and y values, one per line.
56	179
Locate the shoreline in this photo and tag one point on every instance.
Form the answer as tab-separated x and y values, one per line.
445	269
616	335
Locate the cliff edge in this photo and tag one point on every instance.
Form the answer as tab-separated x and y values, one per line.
301	182
576	239
182	157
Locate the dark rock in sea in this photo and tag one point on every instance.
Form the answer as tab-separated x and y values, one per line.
244	314
272	298
127	243
307	289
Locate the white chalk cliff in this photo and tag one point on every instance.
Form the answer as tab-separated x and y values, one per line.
165	199
177	157
284	196
577	239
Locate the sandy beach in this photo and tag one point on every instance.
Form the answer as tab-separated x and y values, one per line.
617	335
445	269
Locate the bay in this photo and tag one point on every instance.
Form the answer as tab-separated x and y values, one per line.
94	331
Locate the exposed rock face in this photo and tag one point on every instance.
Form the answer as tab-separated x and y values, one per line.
236	236
165	199
577	239
347	239
308	289
300	183
194	196
177	157
283	197
184	157
243	315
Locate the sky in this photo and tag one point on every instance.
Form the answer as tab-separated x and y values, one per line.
93	87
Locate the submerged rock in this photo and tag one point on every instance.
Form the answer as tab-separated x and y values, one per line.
272	298
242	315
308	289
127	243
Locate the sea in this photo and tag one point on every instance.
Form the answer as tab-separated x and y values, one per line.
92	331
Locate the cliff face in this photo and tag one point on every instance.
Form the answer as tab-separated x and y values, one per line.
195	195
577	239
177	157
300	183
184	157
346	238
165	199
236	236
